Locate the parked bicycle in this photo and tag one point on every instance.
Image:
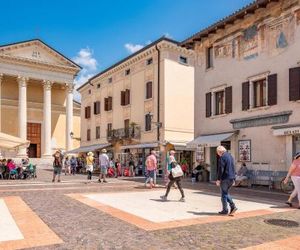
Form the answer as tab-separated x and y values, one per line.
287	188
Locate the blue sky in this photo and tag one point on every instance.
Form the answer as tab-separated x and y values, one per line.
98	33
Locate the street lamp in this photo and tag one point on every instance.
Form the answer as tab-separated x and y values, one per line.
74	138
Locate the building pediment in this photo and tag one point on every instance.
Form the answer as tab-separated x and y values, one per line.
36	52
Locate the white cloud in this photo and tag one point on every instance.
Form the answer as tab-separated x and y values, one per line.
131	48
85	59
89	68
167	35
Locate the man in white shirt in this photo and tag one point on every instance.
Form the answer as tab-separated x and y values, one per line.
104	164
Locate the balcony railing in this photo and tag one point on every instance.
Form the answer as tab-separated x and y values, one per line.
124	133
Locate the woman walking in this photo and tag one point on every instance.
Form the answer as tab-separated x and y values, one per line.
294	173
89	165
172	179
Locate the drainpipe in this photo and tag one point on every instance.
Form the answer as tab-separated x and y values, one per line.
158	94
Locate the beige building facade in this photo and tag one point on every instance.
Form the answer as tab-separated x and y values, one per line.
247	86
36	84
143	102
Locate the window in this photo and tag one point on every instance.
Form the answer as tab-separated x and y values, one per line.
98	86
109	129
148	90
88	135
90	91
98	132
96	108
149	61
183	60
110	80
127	72
148	122
260	93
125	97
219	103
126	127
108	103
87	112
209	57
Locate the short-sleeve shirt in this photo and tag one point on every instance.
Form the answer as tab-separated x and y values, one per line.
296	172
151	162
104	160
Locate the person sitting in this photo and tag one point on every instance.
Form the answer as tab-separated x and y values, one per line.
12	168
241	175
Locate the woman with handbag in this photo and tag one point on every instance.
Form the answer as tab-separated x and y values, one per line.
175	176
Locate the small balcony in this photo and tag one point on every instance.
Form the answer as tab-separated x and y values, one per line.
124	133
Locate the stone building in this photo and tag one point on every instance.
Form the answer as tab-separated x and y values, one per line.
143	102
247	85
36	84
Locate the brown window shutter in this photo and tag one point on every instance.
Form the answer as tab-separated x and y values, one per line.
208	104
149	90
110	103
85	112
272	89
127	97
245	95
294	86
106	104
89	111
95	108
228	100
122	98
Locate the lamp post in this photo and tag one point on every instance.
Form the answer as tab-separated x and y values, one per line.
74	138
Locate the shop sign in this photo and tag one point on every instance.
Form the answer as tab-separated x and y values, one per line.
287	131
292	132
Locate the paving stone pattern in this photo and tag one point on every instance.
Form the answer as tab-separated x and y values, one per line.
84	227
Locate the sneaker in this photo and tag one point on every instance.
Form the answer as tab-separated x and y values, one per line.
58	181
53	180
182	199
99	180
223	212
105	181
163	197
289	203
232	210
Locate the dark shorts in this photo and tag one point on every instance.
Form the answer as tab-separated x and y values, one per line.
57	170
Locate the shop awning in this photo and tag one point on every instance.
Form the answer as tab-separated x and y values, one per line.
209	140
91	148
12	142
179	145
142	145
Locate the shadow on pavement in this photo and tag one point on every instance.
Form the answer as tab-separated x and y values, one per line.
202	213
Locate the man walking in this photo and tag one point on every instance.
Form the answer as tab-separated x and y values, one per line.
151	165
225	180
104	164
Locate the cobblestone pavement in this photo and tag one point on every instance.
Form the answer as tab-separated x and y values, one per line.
83	227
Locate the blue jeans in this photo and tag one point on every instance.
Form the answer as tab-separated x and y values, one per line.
225	196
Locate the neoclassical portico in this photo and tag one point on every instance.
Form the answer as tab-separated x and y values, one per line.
43	79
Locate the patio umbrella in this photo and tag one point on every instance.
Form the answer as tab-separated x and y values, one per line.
12	142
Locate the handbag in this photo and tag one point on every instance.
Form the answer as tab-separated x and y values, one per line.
177	171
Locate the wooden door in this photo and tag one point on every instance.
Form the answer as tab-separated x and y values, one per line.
34	136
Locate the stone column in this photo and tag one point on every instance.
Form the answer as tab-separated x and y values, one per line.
47	119
69	115
22	81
